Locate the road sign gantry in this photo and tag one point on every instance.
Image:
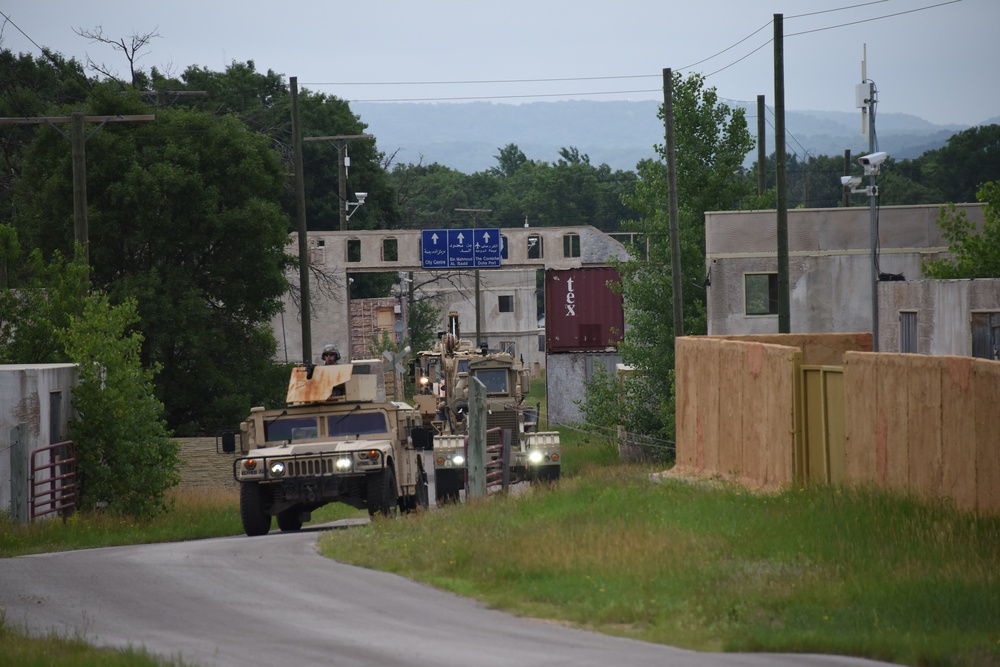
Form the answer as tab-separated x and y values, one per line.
461	248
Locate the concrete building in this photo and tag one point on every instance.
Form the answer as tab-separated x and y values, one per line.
507	296
35	409
830	272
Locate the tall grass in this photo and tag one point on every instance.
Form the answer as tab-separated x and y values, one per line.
55	650
822	570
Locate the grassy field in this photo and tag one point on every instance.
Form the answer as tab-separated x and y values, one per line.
713	567
703	566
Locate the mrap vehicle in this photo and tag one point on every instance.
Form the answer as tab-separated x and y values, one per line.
333	442
441	396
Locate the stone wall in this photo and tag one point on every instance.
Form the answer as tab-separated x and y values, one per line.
202	466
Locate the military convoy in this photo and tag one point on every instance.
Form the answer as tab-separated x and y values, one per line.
441	396
336	440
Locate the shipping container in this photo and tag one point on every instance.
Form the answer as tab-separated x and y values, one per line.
581	311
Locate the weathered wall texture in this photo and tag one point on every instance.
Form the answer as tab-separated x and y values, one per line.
735	403
829	263
39	397
566	377
201	466
943	309
915	423
929	425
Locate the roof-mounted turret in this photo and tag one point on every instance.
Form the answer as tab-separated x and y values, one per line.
340	383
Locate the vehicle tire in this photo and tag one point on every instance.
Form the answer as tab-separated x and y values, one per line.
547	473
382	493
290	519
253	509
447	484
423	495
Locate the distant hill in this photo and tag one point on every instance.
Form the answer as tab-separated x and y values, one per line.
467	136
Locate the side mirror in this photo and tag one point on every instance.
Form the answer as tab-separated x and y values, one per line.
423	439
228	442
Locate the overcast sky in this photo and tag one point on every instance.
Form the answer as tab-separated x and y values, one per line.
936	59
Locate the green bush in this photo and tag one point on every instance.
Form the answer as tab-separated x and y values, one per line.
126	460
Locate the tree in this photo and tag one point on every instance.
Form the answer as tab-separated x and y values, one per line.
30	87
959	169
974	254
126	460
509	160
711	142
184	218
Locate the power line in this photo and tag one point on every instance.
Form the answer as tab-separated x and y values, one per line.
610	78
874	18
26	36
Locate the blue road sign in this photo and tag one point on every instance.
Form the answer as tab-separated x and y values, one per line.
461	248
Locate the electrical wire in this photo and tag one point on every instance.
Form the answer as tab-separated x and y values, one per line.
607	78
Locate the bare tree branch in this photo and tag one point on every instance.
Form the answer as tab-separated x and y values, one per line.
131	48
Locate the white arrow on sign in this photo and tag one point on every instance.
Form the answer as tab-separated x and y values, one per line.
461	237
434	237
486	237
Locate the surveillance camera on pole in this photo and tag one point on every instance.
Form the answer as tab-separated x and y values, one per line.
872	162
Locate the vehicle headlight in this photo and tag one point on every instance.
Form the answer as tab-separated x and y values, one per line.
458	459
277	469
344	463
535	456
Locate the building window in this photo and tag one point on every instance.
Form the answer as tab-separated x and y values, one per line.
353	250
503	247
385	318
571	245
761	293
507	347
390	250
541	342
907	332
317	251
986	335
506	304
536	249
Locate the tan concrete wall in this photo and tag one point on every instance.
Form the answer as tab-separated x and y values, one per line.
915	423
201	466
928	425
736	409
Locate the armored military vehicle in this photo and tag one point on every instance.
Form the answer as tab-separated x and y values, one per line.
442	398
333	442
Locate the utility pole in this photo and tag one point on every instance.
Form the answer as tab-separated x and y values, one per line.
847	172
78	142
340	141
761	146
475	221
300	216
675	241
784	306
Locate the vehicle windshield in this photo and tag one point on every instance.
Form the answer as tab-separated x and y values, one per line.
494	379
291	429
357	423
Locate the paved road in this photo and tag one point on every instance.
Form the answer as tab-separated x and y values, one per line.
274	600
